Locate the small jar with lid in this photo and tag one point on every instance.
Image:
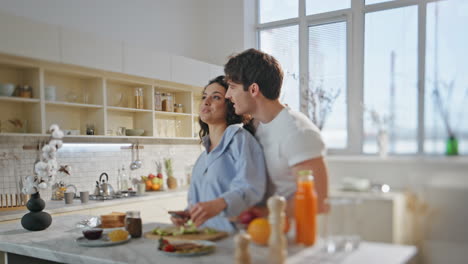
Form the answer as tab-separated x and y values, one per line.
139	98
178	108
133	224
167	103
25	91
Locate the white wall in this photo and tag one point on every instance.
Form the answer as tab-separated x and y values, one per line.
207	30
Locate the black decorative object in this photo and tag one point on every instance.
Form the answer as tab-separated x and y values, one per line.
36	220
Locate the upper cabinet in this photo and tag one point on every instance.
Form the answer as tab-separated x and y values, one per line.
89	50
22	37
146	63
189	71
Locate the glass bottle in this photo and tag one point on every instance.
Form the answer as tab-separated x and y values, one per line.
25	91
133	224
305	209
170	102
164	102
124	186
178	108
157	101
139	98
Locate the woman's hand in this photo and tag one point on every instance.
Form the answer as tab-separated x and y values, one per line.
203	211
179	218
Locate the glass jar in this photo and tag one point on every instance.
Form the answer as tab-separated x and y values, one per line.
178	108
139	98
133	224
25	91
167	103
157	101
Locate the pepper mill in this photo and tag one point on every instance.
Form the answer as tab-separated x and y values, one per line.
242	254
277	241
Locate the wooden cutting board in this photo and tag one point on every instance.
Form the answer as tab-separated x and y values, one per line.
211	237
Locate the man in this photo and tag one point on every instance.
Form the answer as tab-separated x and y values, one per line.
290	141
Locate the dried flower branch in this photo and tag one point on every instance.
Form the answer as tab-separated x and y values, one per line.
320	102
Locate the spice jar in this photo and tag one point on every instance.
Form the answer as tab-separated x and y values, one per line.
133	224
178	108
157	101
139	98
25	91
167	102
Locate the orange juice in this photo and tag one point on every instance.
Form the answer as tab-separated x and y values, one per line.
305	209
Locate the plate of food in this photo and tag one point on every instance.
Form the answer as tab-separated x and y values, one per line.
187	232
186	248
96	238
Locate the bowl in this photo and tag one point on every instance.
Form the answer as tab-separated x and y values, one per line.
134	132
7	89
92	233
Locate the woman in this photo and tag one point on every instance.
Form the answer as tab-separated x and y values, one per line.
230	175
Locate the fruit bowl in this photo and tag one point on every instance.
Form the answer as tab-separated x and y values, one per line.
134	132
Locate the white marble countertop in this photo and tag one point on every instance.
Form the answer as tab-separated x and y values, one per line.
57	243
54	207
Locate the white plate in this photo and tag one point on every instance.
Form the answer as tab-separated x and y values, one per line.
104	241
192	254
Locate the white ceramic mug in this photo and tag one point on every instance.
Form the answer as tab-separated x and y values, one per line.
7	89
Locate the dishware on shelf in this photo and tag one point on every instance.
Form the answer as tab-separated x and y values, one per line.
50	93
120	131
7	89
134	132
71	97
118	99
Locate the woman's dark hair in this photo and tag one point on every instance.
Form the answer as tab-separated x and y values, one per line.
231	116
254	66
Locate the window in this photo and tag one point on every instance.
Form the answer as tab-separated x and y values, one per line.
273	10
320	6
390	78
405	60
327	77
446	90
283	44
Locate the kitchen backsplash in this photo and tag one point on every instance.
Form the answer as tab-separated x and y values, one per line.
88	161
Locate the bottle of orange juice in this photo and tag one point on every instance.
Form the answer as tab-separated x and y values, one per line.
305	209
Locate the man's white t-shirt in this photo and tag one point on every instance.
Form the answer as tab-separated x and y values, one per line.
290	138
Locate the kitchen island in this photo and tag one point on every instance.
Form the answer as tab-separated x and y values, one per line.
57	244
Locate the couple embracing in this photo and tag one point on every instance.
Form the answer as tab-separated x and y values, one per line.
254	145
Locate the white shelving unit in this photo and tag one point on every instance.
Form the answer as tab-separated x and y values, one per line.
85	96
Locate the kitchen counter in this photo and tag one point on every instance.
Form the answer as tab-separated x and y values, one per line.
57	207
57	243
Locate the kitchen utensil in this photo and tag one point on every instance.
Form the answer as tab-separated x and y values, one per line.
138	162
69	197
105	189
84	196
133	165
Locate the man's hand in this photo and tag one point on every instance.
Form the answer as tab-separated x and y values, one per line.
203	211
179	218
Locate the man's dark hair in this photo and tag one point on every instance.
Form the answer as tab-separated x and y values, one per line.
254	66
231	116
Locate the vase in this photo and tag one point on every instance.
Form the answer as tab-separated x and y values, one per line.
451	146
382	143
36	219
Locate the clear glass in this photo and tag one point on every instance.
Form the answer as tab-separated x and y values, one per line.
274	10
342	225
320	6
283	44
446	72
327	81
390	79
157	101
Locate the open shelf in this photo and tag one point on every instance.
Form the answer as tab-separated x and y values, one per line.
129	120
20	117
19	75
73	104
172	126
121	94
126	109
75	118
73	87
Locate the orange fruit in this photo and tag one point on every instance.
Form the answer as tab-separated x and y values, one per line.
155	187
259	231
149	185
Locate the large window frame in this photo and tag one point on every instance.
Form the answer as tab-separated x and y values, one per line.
355	17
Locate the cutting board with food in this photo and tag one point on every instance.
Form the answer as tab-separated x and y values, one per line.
188	232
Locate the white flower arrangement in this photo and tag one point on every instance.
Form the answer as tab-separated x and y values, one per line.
47	169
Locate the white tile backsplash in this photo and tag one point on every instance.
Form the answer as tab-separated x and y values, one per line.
88	161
